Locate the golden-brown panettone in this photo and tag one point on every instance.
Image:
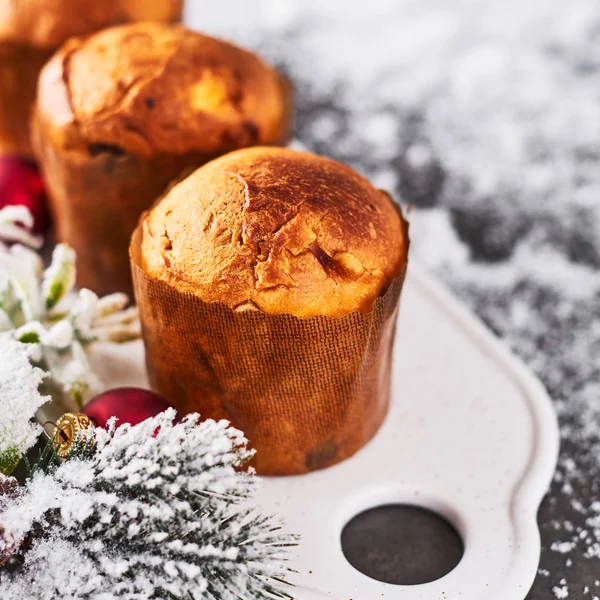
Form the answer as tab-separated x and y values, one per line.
48	23
19	69
30	31
151	88
268	284
123	112
277	230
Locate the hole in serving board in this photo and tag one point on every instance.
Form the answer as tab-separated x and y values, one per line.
402	544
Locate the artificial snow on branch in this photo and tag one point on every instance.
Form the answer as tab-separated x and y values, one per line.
40	308
19	400
159	510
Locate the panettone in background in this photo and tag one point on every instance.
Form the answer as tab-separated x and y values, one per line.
31	30
122	113
268	283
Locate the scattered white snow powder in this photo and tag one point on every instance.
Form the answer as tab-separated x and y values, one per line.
561	592
563	547
485	115
19	401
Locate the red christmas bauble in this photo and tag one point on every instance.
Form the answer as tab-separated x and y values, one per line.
129	405
21	183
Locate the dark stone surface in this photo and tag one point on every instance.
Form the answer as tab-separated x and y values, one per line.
484	116
491	228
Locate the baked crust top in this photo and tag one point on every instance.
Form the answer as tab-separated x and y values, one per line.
276	230
152	88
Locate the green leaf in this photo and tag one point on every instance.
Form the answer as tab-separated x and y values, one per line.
59	277
46	458
55	293
9	460
84	446
30	337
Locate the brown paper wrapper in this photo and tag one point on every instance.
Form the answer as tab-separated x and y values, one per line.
19	69
307	393
96	200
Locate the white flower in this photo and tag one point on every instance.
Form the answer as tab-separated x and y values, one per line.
16	223
40	308
59	336
59	277
104	319
20	270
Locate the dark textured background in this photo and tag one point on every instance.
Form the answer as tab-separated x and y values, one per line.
485	115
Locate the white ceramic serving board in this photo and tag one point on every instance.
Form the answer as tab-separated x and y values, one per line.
471	434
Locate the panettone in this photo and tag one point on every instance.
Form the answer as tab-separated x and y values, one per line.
268	284
31	30
123	112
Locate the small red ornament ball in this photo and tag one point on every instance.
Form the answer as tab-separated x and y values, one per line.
129	405
21	183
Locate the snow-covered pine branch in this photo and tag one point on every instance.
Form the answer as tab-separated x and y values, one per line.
160	510
19	400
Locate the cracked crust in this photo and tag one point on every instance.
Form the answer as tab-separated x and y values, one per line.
48	23
150	88
277	230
